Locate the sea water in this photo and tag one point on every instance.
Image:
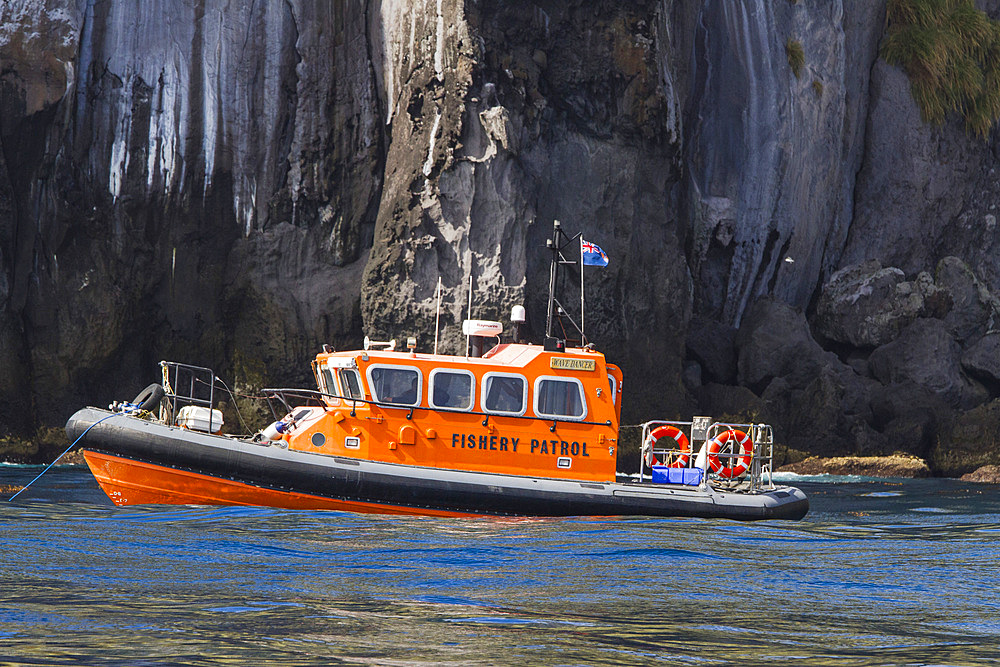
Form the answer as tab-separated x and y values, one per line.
881	572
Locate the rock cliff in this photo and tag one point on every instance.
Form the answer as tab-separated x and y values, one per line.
235	185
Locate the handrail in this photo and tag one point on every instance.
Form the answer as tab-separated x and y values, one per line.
762	436
313	394
190	398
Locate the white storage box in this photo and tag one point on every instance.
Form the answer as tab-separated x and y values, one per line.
196	418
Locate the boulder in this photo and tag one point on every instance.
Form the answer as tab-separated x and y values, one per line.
691	376
927	355
909	417
897	465
732	404
986	474
973	307
973	442
775	341
828	416
982	359
868	305
815	402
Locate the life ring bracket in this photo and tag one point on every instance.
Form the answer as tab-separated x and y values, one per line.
736	448
677	456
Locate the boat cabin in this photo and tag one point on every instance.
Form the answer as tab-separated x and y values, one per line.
518	409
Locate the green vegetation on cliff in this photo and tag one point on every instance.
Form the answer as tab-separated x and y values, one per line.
951	52
796	55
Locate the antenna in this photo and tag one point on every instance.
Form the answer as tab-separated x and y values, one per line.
469	317
437	316
553	245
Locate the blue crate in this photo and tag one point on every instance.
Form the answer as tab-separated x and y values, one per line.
685	476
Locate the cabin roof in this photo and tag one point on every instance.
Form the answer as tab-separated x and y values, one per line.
514	355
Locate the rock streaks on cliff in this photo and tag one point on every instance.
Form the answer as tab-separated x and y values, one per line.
181	176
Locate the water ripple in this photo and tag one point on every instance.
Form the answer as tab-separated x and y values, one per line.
897	572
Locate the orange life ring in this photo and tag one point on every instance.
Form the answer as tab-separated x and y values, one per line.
669	431
730	437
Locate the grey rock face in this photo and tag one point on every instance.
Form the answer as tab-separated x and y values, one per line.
910	418
926	355
924	192
819	403
238	184
713	346
974	310
13	369
533	126
156	155
982	359
775	341
866	305
772	155
256	95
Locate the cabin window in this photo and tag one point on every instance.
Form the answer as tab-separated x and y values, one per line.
398	385
505	393
350	383
326	383
559	397
614	389
454	389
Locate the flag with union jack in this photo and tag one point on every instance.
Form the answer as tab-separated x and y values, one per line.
592	254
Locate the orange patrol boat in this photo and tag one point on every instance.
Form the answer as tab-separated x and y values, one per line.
520	429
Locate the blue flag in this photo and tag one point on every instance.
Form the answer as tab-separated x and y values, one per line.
592	254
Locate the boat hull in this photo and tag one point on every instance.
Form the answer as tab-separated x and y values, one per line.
130	482
137	461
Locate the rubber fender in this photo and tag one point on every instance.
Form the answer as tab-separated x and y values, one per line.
149	398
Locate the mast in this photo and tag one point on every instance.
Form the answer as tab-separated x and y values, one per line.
559	242
553	245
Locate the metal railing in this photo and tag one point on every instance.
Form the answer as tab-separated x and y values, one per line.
700	433
185	385
282	396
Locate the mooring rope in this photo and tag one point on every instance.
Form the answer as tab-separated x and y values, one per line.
246	429
114	414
